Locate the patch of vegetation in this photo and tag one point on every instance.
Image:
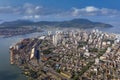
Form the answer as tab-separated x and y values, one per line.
82	43
76	77
93	50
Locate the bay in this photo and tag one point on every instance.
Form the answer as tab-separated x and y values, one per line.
8	71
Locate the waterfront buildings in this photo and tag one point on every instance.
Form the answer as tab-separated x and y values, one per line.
70	55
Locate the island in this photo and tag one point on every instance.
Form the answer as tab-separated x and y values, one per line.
21	27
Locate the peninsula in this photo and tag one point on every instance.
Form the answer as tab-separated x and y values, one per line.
69	55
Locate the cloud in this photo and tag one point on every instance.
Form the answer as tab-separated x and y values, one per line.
26	9
94	11
30	11
37	16
27	17
6	9
90	9
31	17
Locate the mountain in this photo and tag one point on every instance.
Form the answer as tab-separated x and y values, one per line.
17	23
75	23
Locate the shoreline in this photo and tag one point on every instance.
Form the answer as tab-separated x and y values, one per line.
39	44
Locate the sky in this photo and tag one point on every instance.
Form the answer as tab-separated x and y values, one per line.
51	10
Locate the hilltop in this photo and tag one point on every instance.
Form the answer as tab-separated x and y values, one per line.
75	23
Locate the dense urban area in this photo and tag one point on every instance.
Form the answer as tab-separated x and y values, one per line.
69	55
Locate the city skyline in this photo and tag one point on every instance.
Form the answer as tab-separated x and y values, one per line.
59	39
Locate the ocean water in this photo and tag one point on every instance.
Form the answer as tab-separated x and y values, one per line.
112	30
8	71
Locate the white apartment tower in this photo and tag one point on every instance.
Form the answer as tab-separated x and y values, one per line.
57	37
55	40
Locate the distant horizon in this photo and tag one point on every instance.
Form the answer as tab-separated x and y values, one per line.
52	10
47	20
57	20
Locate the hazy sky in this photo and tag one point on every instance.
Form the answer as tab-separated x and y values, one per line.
96	10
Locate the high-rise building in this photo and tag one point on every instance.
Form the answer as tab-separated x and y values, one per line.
35	54
32	53
57	38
